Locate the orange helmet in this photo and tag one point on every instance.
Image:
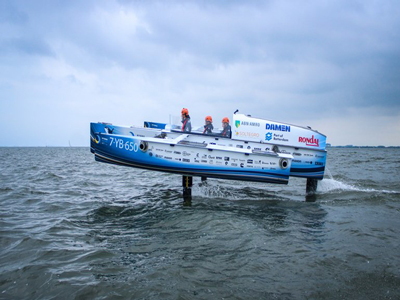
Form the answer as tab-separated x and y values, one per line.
225	120
185	111
209	119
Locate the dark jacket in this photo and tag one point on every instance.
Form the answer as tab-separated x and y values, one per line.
187	125
208	129
227	132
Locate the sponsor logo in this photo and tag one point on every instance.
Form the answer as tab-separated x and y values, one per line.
159	156
245	123
257	149
160	150
296	161
167	157
317	163
309	141
204	156
268	136
226	158
178	159
319	156
249	161
203	161
249	166
296	154
237	123
279	137
247	134
257	162
186	153
97	139
242	165
218	162
168	151
218	157
307	154
242	160
277	127
234	165
211	157
177	152
239	146
196	160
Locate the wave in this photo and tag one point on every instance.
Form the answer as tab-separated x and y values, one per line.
330	185
218	192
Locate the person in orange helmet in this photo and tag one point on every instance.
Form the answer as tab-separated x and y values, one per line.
187	125
226	132
208	127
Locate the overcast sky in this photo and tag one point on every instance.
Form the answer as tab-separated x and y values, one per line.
332	65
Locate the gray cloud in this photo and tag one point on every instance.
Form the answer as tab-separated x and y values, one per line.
292	61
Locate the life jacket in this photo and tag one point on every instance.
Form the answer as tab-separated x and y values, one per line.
227	131
186	123
208	128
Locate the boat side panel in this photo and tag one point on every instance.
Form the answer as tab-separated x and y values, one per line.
179	159
306	163
250	129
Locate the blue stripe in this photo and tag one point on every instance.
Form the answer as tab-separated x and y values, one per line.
307	170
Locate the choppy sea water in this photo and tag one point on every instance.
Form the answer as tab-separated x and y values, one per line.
73	228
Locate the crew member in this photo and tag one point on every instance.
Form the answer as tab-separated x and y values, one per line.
208	127
187	125
226	132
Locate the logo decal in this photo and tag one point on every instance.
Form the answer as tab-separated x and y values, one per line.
268	136
277	127
246	123
309	141
237	123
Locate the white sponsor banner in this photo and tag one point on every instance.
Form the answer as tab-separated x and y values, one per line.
250	129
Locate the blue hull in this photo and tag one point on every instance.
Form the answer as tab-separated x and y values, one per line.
282	150
184	159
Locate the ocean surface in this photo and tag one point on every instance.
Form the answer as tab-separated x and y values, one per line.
73	228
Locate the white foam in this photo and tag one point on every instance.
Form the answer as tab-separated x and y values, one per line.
215	192
329	185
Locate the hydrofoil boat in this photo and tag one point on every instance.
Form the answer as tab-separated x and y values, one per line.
259	150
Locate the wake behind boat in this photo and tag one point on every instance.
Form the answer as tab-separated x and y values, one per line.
259	150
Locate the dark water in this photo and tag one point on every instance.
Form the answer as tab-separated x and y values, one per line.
72	228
